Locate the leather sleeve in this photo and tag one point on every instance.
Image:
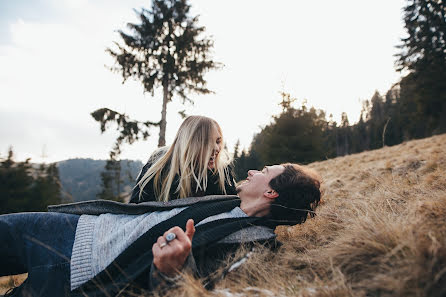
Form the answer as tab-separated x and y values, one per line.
148	193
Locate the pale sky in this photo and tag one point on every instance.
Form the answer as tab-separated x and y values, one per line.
334	54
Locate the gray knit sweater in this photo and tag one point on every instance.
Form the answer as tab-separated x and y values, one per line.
101	238
91	211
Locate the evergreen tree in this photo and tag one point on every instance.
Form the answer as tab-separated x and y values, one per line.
425	44
296	135
246	161
111	181
240	166
15	184
24	188
343	137
395	123
359	134
330	135
423	55
236	149
111	178
165	50
47	189
377	120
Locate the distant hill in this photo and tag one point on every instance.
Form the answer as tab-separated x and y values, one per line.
81	178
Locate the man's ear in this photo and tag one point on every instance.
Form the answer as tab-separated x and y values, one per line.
271	194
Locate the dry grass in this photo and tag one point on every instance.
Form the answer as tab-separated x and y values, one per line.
380	231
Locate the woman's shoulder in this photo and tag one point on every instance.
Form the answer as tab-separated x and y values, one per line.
158	153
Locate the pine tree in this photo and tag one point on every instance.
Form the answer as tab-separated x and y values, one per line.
423	55
15	184
344	137
24	188
240	166
425	44
165	50
236	149
111	180
47	190
295	135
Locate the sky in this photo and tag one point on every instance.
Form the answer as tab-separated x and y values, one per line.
54	69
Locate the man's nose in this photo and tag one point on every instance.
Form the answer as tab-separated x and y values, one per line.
251	172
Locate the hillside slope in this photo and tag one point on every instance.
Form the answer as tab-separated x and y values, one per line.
380	232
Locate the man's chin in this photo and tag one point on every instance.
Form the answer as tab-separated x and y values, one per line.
239	187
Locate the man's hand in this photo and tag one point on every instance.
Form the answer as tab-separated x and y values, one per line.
169	258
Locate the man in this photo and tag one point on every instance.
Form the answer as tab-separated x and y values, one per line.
115	245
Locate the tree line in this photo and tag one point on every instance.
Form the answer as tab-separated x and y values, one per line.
415	107
25	188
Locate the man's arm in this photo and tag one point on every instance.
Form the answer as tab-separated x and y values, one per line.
169	259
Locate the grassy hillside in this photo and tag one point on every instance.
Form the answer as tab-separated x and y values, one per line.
380	231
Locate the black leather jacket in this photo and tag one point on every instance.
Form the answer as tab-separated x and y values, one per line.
212	188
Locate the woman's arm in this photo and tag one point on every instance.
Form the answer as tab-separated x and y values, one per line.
148	193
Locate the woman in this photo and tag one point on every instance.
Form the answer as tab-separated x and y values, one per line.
196	164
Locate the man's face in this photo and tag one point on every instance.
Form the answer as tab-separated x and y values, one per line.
257	182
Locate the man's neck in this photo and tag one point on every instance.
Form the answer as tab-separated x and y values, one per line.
257	207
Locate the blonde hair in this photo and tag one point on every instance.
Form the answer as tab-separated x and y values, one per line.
188	157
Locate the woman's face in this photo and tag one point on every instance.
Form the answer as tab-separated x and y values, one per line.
217	143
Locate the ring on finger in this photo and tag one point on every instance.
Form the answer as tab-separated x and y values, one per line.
170	236
163	245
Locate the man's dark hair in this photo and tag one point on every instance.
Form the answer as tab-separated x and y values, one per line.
299	194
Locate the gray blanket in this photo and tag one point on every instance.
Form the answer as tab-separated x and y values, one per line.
97	207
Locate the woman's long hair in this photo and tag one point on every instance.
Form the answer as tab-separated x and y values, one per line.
188	157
